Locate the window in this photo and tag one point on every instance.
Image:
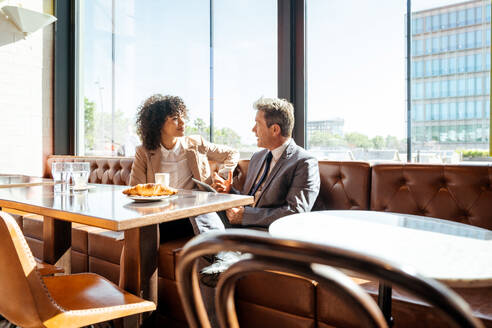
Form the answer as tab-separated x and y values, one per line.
164	47
428	112
444	88
470	16
419	69
470	86
470	39
418	26
461	40
478	86
453	88
428	46
453	17
478	13
470	63
245	68
478	109
435	112
435	67
470	109
443	133
445	111
444	43
332	99
462	17
461	64
113	85
435	22
478	39
435	89
453	43
461	110
444	66
461	87
478	62
428	90
452	65
453	111
417	47
444	21
435	45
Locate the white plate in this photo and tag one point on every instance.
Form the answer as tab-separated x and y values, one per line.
148	198
87	187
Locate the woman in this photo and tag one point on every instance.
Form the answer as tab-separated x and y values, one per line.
165	148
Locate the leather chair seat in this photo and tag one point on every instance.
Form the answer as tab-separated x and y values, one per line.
91	291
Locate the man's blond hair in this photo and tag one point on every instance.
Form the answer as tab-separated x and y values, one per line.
277	111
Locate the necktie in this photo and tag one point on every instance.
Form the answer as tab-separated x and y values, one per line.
268	160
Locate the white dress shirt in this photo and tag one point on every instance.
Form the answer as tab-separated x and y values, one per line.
174	162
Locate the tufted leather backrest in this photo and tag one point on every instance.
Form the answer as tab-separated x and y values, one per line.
107	170
345	185
455	192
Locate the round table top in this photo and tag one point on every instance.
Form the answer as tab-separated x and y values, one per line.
456	254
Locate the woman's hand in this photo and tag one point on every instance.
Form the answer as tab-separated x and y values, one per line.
222	185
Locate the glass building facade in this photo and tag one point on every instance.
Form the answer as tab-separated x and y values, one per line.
450	73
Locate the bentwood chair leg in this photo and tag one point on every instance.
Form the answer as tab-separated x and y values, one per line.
384	302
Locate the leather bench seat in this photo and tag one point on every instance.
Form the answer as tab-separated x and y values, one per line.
270	299
93	249
407	310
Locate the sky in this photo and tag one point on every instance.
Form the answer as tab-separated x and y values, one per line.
355	59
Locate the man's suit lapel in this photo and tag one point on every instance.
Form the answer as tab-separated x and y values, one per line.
281	162
254	168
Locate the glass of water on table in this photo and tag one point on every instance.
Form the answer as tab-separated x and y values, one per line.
80	175
61	175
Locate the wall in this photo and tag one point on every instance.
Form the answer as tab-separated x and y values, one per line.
26	105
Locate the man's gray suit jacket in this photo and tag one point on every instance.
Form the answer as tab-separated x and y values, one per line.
291	187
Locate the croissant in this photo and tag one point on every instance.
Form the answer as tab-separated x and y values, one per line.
149	189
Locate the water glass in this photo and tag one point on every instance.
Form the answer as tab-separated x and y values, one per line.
61	175
80	175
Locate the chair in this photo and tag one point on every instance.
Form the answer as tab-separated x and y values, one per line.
30	300
312	261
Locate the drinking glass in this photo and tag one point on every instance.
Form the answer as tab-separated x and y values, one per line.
61	175
80	175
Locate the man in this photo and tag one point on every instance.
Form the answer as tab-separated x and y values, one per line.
283	177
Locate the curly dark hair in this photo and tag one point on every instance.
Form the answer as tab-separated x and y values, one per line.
152	114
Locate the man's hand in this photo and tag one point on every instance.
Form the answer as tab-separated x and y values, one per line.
235	214
221	185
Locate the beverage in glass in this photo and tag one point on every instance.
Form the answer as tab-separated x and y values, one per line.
61	175
80	175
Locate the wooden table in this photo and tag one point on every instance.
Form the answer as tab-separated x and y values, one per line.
106	207
456	254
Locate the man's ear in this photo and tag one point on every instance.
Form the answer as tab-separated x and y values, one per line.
276	130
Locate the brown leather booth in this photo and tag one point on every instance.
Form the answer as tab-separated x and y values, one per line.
455	192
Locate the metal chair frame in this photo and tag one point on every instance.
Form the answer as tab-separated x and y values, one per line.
270	253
